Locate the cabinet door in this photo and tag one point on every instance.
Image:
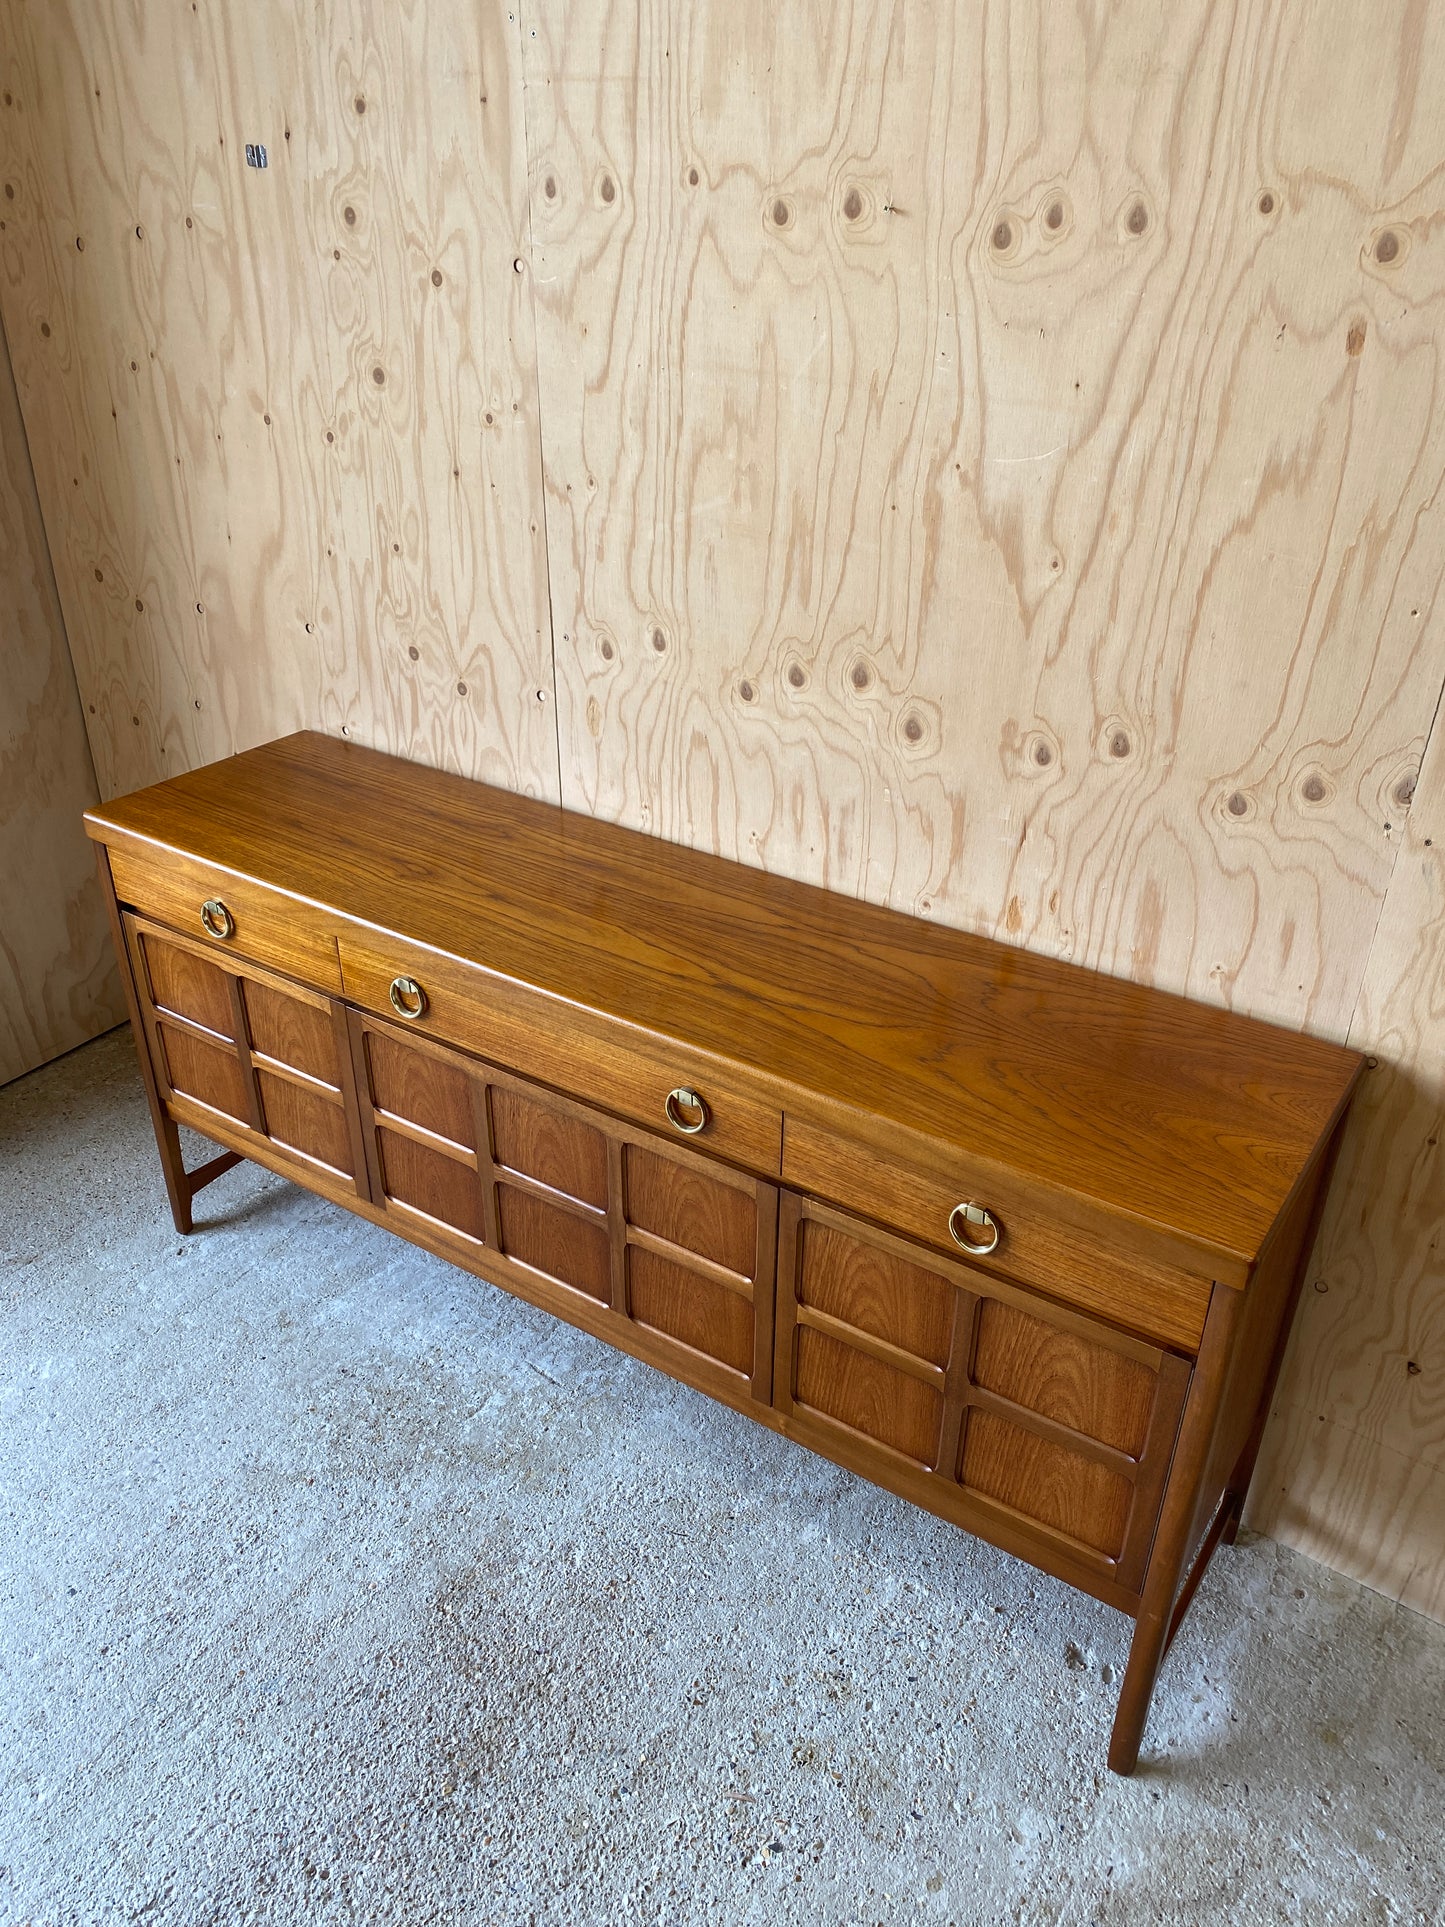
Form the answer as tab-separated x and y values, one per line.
663	1251
252	1059
1030	1424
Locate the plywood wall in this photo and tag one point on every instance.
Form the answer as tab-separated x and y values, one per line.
58	980
285	422
987	459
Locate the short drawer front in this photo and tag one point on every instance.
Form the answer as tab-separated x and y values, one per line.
1035	1426
608	1063
572	1209
264	925
1097	1273
247	1055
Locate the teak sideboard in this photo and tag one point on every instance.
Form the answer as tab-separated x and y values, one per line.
1015	1240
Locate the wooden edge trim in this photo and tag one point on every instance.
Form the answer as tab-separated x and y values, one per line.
290	1074
764	1293
686	1260
1081	1444
858	1340
165	1015
785	1311
957	1381
1171	1388
486	1159
245	1053
375	1179
548	1194
350	1096
419	1134
617	1229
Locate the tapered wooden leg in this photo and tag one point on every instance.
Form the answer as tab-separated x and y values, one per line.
1178	1519
181	1184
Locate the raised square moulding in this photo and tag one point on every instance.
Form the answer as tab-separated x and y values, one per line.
1017	1241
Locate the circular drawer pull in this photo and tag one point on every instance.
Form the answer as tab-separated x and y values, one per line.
974	1228
687	1111
408	999
216	919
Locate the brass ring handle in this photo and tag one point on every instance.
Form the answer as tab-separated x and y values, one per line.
687	1111
216	919
408	999
977	1230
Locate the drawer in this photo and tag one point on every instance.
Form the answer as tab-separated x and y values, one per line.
266	926
913	1189
618	1066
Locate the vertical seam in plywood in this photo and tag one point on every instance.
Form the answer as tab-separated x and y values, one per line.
1369	949
52	580
537	385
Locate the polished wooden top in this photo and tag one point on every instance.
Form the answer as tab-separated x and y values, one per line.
1177	1114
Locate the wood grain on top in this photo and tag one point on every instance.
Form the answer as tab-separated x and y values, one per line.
1184	1116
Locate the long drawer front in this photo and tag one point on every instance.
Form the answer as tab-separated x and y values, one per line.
1047	1432
232	916
618	1066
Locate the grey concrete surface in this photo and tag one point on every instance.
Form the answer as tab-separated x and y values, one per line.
336	1586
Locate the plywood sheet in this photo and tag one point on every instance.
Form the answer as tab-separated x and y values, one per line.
1353	1468
991	456
58	980
284	421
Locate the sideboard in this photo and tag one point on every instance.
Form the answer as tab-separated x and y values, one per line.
1018	1241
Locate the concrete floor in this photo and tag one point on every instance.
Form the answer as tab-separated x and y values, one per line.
336	1586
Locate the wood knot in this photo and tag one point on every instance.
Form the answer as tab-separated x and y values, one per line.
1313	789
1137	219
1002	238
860	675
659	640
797	675
1355	339
608	189
378	375
607	650
436	277
1119	744
348	214
746	691
549	187
852	204
913	727
1237	803
1266	202
1387	248
692	177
